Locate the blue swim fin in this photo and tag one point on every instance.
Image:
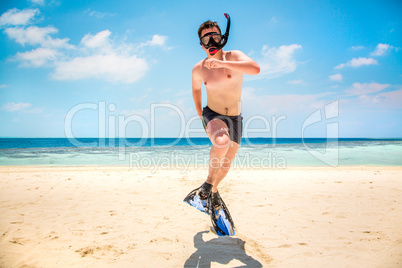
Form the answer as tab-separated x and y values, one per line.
198	197
220	216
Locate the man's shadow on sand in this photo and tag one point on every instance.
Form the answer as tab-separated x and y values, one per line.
221	250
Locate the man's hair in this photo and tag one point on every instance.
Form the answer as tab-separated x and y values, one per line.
206	25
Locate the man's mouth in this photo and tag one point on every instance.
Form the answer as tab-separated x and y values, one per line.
213	50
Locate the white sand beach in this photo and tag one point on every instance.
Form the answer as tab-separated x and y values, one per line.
116	217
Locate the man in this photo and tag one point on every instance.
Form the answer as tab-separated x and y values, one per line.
222	74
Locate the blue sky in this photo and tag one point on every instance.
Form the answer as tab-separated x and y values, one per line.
123	68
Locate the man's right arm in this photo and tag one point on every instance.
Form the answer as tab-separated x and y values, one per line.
196	83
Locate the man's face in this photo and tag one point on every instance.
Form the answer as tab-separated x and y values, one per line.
210	50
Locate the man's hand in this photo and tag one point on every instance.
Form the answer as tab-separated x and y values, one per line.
199	113
238	62
213	63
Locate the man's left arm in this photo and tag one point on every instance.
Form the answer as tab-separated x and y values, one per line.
239	62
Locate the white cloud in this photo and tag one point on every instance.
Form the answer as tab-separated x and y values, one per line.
18	17
273	20
104	59
36	110
13	107
157	40
97	56
3	86
37	36
356	48
98	14
111	67
386	100
281	104
38	2
365	88
98	40
362	61
37	57
357	62
278	60
297	82
22	107
392	99
381	49
336	77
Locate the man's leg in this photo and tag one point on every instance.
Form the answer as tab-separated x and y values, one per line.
221	220
226	163
222	153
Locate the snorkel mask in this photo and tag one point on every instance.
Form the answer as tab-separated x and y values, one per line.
215	41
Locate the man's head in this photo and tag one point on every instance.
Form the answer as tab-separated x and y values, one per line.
207	25
210	37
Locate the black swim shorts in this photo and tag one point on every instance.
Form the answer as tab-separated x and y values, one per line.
234	123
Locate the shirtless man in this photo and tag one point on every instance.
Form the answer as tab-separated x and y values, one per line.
222	74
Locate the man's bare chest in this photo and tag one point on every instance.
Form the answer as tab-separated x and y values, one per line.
220	78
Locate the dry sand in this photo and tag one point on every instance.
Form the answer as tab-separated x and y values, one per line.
116	217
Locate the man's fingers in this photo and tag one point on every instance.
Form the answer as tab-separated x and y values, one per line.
210	64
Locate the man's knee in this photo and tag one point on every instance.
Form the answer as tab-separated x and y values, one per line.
218	133
221	139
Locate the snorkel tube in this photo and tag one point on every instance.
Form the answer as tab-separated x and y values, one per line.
225	37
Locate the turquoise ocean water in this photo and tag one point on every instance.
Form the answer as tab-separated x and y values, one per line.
182	153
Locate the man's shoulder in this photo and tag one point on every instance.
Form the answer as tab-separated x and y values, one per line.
234	51
233	54
198	65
